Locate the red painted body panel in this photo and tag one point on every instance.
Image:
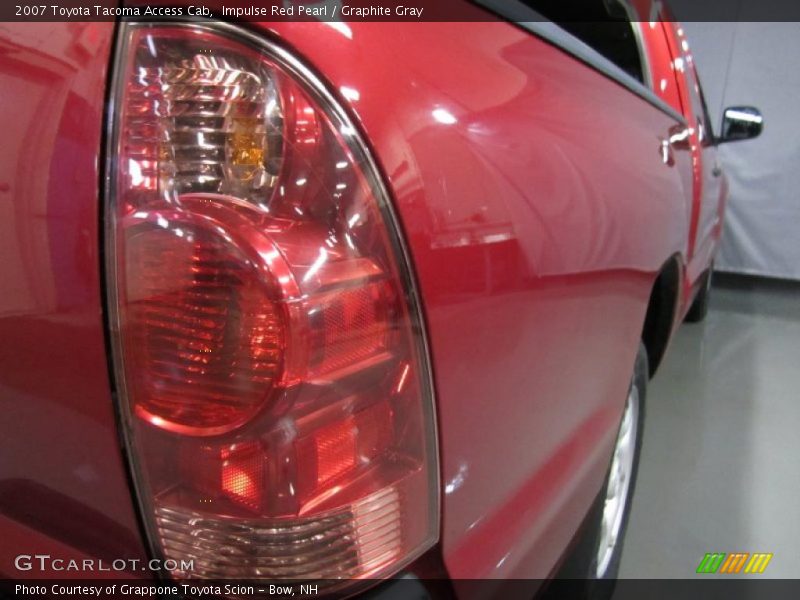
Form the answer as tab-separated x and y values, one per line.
61	470
538	209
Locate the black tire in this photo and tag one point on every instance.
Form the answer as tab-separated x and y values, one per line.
699	308
578	576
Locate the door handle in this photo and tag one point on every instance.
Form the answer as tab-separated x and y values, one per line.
716	171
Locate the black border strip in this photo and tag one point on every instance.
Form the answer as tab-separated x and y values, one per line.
744	587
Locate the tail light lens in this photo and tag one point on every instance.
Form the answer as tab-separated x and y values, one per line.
268	342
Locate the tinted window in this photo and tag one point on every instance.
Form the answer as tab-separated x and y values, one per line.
602	24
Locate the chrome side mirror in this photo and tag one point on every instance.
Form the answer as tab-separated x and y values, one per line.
741	123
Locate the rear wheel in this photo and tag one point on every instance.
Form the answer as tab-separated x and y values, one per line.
621	478
596	557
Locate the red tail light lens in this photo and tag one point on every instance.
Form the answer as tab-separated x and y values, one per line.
205	340
268	342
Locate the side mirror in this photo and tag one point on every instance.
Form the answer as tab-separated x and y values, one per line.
741	123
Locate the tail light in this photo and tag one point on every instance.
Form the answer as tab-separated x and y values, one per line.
268	344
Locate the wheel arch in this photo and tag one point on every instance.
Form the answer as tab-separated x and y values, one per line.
662	309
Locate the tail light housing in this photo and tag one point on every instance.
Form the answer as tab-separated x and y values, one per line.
268	343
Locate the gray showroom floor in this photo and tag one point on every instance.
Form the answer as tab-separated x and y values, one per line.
720	467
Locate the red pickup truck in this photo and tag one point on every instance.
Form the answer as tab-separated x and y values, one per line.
331	300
